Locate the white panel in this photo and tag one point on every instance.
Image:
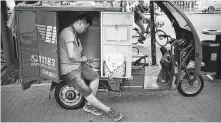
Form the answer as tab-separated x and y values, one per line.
113	18
115	33
125	50
128	35
116	37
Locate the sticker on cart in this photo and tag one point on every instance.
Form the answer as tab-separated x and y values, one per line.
42	61
213	56
49	73
47	33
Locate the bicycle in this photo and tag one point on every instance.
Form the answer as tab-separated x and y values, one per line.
158	33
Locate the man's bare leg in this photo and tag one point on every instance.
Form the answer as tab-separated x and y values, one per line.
91	98
97	103
142	29
148	25
94	86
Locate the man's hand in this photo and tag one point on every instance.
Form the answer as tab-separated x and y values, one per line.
84	58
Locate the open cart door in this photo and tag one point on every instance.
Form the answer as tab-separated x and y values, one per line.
116	44
47	45
37	42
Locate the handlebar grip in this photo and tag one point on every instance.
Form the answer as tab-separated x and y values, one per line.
90	60
171	41
138	51
143	57
137	62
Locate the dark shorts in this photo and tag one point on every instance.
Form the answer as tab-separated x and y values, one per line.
80	78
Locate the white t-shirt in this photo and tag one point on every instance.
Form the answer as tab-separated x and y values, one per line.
67	35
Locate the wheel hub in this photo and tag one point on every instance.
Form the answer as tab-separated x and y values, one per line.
191	88
70	94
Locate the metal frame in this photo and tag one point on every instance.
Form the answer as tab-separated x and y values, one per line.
198	47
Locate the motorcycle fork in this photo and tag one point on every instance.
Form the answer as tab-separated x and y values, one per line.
185	62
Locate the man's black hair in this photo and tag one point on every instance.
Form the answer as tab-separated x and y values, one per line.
84	17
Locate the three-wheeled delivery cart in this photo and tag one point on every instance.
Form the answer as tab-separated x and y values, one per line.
108	46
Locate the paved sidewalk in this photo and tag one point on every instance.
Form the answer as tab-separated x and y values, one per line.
34	105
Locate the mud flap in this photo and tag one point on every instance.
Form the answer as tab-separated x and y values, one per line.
103	84
53	85
27	85
163	75
114	84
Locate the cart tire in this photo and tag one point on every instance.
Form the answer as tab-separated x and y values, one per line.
199	88
161	40
135	33
211	9
68	97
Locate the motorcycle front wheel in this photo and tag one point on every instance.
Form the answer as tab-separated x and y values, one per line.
188	89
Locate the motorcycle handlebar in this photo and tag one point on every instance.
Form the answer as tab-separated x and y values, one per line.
171	41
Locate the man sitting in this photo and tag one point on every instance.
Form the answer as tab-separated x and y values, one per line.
74	70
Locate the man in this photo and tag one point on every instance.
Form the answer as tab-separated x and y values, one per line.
139	20
74	70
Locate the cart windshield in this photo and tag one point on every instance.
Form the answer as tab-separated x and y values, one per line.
182	23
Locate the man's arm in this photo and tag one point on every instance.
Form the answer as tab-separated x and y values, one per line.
74	56
141	15
136	9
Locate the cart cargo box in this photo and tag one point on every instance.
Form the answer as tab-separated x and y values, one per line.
38	32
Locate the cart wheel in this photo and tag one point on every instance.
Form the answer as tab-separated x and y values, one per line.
135	33
68	97
161	38
211	9
190	90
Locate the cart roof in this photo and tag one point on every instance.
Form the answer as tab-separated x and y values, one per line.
68	8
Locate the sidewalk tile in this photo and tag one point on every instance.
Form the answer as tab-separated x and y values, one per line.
33	105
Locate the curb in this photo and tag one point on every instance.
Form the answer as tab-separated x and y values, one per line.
3	67
20	86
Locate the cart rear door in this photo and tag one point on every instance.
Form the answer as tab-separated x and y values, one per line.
47	45
37	38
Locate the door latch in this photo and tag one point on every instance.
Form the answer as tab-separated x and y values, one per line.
116	28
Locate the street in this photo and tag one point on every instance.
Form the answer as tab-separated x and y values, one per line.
199	20
205	21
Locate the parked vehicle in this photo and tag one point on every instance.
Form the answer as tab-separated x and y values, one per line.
108	46
209	6
2	56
